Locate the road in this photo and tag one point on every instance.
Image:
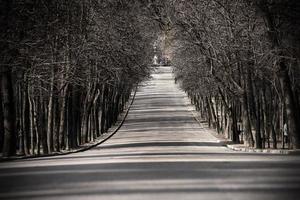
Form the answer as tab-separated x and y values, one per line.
160	152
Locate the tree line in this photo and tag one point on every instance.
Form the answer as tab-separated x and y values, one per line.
238	61
68	68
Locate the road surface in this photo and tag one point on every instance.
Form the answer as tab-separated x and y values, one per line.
160	152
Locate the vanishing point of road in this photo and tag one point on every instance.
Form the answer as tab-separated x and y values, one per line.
160	152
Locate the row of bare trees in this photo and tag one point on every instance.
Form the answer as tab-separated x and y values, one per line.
68	68
239	62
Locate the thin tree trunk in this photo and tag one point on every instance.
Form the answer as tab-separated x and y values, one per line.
1	124
62	118
35	125
291	111
103	109
258	139
31	124
50	114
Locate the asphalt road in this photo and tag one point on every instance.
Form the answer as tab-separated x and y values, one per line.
160	152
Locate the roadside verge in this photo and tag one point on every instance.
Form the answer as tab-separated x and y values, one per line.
242	148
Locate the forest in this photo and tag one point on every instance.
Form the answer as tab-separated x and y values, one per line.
239	63
68	67
67	70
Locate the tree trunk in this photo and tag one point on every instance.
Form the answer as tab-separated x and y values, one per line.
1	124
258	139
103	109
35	125
26	120
50	114
247	124
9	147
291	111
62	118
234	128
